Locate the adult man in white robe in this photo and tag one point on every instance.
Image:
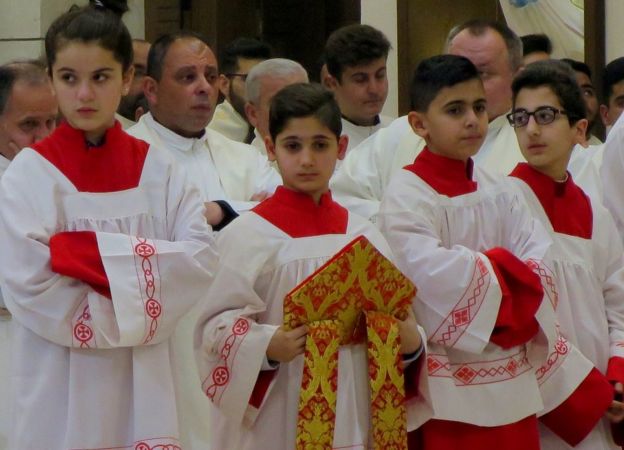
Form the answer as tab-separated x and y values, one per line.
366	170
355	57
235	62
181	88
263	82
28	111
127	108
613	92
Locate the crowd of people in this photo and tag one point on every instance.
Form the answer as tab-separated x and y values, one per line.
178	205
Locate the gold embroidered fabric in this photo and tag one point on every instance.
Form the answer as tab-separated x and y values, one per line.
355	297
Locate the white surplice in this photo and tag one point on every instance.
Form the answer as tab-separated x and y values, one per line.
612	171
5	349
438	243
366	170
222	169
589	274
228	122
245	310
89	372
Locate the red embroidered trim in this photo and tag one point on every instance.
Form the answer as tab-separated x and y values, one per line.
555	359
220	375
153	308
547	277
164	443
479	372
83	333
145	446
466	309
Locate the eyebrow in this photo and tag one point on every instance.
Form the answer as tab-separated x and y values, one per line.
316	136
70	69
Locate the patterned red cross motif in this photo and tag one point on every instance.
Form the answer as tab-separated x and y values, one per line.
221	375
461	317
144	250
146	446
82	332
465	374
153	308
240	327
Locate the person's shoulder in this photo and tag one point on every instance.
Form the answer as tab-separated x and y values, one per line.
218	140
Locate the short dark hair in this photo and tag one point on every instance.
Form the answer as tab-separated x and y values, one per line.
578	66
533	43
99	22
301	100
243	47
354	45
560	78
613	73
159	49
436	73
478	27
32	71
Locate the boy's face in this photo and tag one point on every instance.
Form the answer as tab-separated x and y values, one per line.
361	91
306	152
547	148
455	124
610	112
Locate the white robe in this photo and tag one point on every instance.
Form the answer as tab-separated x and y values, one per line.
222	169
589	274
584	166
612	172
5	358
459	298
89	372
368	168
250	285
228	122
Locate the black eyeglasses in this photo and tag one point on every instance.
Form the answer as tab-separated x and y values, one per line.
543	116
243	76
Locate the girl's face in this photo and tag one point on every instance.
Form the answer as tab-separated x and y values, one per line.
89	83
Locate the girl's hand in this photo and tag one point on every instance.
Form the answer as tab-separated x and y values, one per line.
285	345
410	337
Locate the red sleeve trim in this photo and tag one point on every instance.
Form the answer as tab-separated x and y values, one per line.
76	254
577	416
615	369
522	295
265	377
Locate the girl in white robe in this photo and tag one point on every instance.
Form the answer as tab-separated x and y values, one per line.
105	248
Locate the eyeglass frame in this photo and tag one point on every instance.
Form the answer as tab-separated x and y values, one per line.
556	113
232	75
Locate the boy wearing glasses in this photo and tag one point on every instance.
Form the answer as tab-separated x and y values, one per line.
475	254
586	256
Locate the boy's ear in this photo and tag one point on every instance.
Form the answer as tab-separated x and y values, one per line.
417	121
270	148
330	82
343	143
580	128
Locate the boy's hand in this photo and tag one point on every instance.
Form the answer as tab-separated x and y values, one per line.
285	345
213	213
615	413
408	331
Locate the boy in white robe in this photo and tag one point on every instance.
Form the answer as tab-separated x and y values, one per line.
286	238
484	297
586	255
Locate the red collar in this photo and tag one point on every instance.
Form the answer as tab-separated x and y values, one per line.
297	215
566	205
450	177
115	165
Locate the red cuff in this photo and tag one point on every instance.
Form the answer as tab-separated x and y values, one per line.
265	377
76	254
522	295
577	416
615	369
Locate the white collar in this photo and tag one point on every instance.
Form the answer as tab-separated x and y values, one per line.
170	138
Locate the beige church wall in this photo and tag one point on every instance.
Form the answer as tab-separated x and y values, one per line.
24	23
382	14
614	41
